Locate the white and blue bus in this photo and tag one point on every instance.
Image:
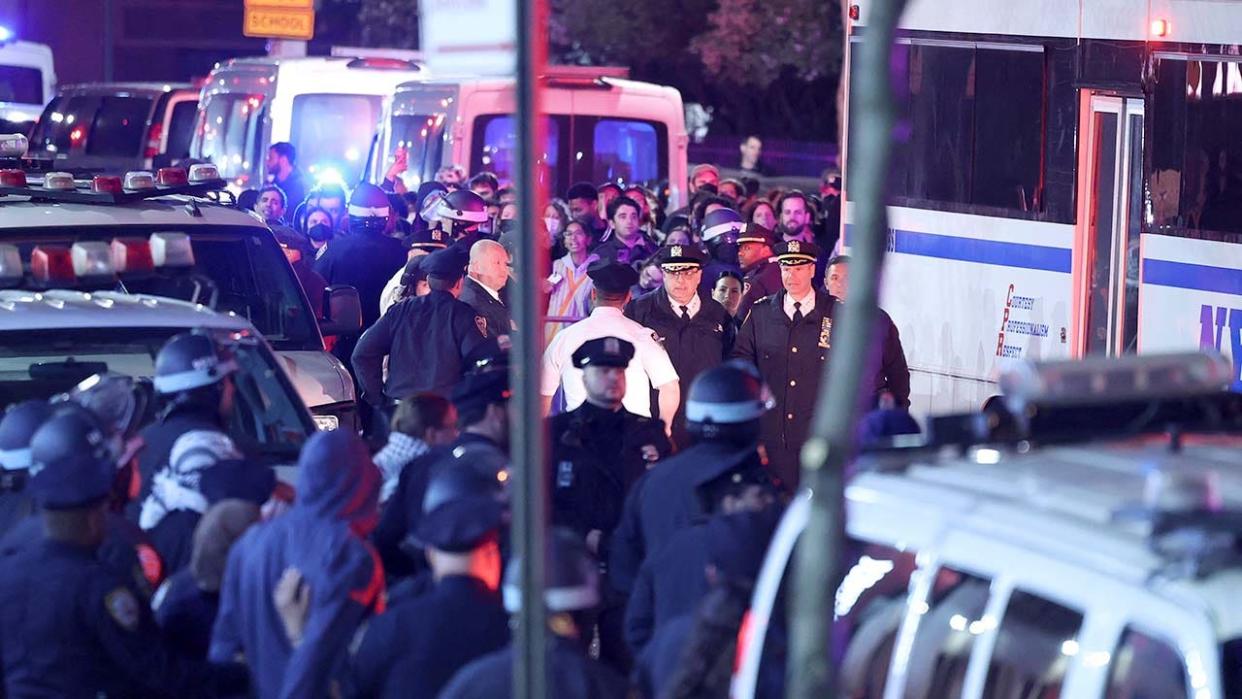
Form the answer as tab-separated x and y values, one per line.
1068	182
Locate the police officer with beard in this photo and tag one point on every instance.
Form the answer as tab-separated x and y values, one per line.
788	337
599	450
761	274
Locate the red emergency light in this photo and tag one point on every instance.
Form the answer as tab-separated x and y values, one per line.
130	255
107	184
154	135
12	178
172	176
1161	28
855	12
51	263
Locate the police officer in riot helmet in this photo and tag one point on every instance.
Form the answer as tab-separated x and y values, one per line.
723	414
20	422
570	597
462	213
719	232
366	258
110	645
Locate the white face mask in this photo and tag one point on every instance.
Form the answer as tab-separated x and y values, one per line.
554	225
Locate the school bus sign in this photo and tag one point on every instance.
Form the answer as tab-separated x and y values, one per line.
280	19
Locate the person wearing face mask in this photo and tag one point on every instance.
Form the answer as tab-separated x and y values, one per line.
569	285
300	252
556	219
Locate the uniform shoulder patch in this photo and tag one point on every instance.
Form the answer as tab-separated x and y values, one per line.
122	606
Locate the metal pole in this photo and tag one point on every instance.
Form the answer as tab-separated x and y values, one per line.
810	672
527	425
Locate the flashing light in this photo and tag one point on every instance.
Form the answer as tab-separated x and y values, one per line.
59	180
171	176
108	184
855	12
10	265
1161	28
13	145
91	259
6	34
132	255
203	172
51	263
171	250
329	175
12	178
139	179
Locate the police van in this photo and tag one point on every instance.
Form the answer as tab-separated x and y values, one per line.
328	107
52	340
27	81
161	235
1088	544
600	126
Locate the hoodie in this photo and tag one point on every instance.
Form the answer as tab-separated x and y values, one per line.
323	536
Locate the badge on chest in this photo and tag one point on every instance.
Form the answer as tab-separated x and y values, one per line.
565	474
825	333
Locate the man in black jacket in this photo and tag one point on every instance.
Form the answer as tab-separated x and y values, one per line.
695	330
892	374
788	337
486	278
761	276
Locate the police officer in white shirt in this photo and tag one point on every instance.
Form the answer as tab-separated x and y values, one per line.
650	367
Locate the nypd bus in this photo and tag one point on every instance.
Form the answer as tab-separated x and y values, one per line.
1067	183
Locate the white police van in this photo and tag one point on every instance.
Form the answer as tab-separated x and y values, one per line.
1088	553
328	107
51	340
27	81
160	234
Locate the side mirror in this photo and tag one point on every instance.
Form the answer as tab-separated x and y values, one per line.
342	311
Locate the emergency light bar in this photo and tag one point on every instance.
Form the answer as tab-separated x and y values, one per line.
10	266
12	145
1096	379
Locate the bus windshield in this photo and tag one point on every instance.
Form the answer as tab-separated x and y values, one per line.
333	132
423	136
228	126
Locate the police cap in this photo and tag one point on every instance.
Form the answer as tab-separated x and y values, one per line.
429	239
461	508
612	277
18	426
604	351
675	258
445	264
70	465
796	252
755	233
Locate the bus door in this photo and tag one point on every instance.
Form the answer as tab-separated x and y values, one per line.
1106	247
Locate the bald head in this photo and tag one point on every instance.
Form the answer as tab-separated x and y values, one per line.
489	264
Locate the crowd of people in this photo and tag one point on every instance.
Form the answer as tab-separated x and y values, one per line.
147	554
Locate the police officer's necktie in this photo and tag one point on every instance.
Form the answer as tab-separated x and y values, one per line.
797	316
685	312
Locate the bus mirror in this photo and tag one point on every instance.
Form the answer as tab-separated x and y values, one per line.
342	311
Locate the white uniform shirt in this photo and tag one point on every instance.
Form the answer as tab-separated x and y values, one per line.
649	367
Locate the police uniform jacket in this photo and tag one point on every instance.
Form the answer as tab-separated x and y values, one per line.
70	626
571	675
425	339
893	374
492	310
671	582
597	455
126	550
185	614
364	261
693	346
412	650
791	360
762	279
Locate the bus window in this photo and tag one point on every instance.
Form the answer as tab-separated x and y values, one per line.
334	131
1146	668
625	151
1036	642
21	84
1196	148
227	124
120	126
946	634
495	147
1008	129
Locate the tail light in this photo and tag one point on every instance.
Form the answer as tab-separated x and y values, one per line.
154	136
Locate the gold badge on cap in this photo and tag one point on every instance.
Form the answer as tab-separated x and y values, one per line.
674	251
795	246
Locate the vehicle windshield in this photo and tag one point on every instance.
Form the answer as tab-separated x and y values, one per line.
234	270
332	133
96	125
21	84
228	134
268	420
423	136
181	128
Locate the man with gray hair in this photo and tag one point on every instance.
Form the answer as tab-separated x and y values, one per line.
487	275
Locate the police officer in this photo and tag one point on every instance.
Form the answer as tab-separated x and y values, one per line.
788	337
422	242
414	649
193	376
761	275
719	231
19	424
892	377
71	625
460	214
694	329
571	594
425	338
366	258
599	450
723	413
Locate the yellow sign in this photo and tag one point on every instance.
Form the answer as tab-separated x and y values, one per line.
286	4
277	23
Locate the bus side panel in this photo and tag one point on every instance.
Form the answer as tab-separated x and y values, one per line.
1190	297
970	294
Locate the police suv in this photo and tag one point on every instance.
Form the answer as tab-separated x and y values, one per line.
167	234
1084	543
52	340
